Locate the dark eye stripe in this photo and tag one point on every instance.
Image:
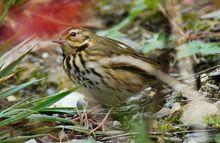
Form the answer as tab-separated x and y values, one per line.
86	37
82	47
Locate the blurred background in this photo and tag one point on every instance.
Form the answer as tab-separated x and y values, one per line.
182	35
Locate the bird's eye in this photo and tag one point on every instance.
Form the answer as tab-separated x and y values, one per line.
73	34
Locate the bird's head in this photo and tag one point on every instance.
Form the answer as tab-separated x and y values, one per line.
74	39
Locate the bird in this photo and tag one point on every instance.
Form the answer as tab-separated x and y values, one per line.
94	59
109	70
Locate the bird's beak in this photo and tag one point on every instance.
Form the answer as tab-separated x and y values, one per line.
58	41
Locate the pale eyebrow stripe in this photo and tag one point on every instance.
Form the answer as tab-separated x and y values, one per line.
74	30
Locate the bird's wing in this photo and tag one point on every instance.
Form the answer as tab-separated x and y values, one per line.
116	48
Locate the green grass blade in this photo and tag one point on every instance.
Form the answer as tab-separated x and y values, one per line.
12	90
79	129
7	70
65	110
12	113
54	99
139	126
1	66
6	10
36	101
8	43
13	106
40	117
21	138
38	107
74	128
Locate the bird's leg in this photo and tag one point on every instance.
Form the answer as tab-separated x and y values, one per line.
101	125
94	108
84	117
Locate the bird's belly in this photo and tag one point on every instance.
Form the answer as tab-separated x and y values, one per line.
100	91
106	96
106	90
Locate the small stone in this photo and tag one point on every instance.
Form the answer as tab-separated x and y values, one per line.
116	124
59	60
216	72
204	77
197	137
176	107
69	100
164	112
81	103
168	104
195	111
204	94
51	90
31	141
58	50
11	98
152	94
215	87
218	104
45	55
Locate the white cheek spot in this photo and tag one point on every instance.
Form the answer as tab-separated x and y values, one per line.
74	30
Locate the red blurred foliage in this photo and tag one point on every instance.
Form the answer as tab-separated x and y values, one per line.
188	2
44	19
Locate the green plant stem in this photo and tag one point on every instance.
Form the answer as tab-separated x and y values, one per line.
6	10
